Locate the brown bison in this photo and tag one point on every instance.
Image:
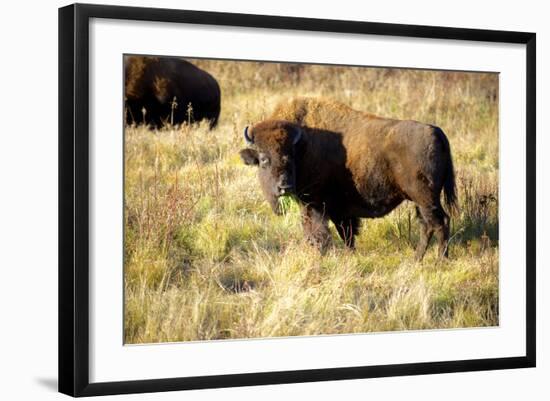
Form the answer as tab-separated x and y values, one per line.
160	90
342	164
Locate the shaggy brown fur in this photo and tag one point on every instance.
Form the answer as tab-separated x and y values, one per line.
344	164
167	88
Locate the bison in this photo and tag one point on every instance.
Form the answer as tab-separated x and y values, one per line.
342	165
167	89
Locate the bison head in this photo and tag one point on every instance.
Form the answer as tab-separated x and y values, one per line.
272	149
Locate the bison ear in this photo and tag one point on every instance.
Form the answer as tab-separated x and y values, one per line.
249	156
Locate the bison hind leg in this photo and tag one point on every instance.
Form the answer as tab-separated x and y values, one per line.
348	228
433	220
442	233
426	232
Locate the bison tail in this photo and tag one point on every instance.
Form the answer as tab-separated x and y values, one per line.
449	188
449	184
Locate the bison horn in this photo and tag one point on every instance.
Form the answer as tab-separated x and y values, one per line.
297	136
248	140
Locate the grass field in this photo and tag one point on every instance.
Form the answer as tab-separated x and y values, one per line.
206	258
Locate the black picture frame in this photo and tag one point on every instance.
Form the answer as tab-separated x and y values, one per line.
74	194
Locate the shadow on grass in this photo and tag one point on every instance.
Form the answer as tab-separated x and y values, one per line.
471	230
402	235
237	284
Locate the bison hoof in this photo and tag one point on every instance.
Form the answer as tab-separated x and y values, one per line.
322	244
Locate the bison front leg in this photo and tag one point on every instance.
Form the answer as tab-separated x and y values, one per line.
315	227
348	228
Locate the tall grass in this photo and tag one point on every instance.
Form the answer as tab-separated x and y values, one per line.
205	258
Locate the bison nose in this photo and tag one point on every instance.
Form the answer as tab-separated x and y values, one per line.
284	185
284	189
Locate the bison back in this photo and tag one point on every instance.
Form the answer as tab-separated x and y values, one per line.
170	90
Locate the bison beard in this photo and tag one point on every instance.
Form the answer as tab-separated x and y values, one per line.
343	165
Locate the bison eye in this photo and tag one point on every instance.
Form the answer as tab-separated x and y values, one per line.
264	160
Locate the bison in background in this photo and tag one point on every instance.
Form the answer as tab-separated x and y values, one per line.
160	90
343	165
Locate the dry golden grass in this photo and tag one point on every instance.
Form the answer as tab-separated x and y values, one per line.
205	258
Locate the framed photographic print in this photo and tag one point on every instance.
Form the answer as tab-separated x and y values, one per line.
249	199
